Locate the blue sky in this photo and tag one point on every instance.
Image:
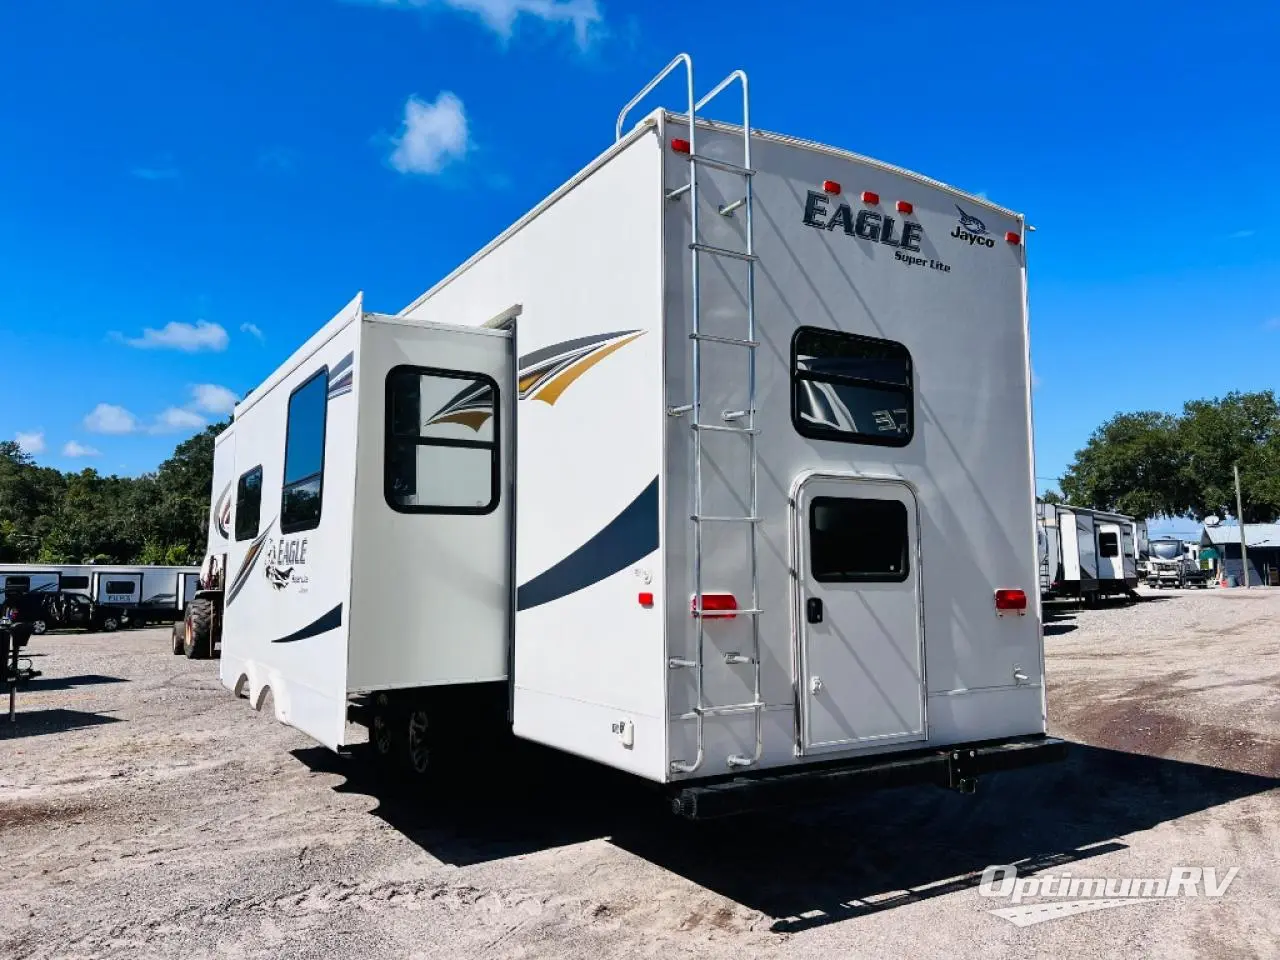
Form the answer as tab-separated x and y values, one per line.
188	190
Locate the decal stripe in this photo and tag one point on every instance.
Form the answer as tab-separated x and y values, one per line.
248	563
628	537
330	621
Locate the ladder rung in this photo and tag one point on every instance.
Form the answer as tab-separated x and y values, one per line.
718	428
723	252
724	165
732	341
705	519
679	192
724	708
728	614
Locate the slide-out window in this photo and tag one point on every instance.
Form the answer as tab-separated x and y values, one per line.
852	540
441	441
851	388
1108	544
75	583
248	503
17	584
300	499
121	586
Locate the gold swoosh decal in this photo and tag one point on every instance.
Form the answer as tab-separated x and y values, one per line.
558	384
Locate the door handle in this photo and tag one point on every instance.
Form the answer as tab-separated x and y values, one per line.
813	609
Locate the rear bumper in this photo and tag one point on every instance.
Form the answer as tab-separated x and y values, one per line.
957	767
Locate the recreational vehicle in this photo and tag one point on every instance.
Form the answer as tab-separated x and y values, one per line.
715	467
145	593
1087	554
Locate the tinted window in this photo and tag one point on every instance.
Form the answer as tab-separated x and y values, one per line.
854	540
1108	545
441	441
17	583
1166	549
248	504
75	583
120	586
304	454
851	388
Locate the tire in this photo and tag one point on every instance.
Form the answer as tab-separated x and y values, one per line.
383	730
416	750
197	639
110	623
39	627
179	637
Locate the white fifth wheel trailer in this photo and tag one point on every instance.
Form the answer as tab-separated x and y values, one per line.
715	467
1090	554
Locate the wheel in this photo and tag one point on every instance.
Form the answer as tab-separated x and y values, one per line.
199	629
416	754
179	637
39	627
382	729
110	623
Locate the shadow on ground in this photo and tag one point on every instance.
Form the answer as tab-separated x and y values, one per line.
36	723
819	865
43	684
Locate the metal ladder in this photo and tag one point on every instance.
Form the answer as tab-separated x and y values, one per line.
742	422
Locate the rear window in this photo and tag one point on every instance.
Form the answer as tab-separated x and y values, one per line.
300	497
1108	544
75	583
120	586
858	541
851	388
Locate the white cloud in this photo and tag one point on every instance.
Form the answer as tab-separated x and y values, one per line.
108	418
176	419
1272	324
32	442
433	134
212	398
190	337
74	449
252	330
500	16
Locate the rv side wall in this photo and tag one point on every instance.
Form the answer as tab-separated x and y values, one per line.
288	575
587	271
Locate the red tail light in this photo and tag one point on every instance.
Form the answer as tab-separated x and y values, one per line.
679	146
715	605
870	197
1011	600
830	186
646	599
905	206
1013	238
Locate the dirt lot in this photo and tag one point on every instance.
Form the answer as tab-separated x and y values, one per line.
145	812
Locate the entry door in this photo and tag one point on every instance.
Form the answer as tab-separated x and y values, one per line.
861	643
1110	554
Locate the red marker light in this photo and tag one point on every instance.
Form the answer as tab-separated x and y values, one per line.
646	599
715	605
904	206
679	146
1013	238
869	197
830	186
1011	600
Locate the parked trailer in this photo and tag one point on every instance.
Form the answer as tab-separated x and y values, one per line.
1091	554
144	593
600	487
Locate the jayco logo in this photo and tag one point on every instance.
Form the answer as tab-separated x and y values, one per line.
972	230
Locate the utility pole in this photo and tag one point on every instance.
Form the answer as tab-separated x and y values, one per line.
1244	550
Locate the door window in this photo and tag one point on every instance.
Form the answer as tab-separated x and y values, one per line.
852	540
1108	544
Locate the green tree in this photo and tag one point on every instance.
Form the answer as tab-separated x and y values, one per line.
1239	429
1133	463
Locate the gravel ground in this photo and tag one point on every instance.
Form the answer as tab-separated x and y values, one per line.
145	812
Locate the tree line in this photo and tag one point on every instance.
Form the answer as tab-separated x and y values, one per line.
1150	464
47	516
